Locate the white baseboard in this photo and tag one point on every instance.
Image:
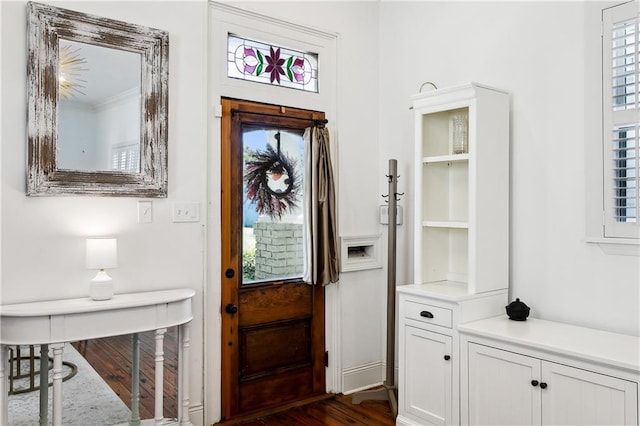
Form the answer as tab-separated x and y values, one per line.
362	377
196	415
403	421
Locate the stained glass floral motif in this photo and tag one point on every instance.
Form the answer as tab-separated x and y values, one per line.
264	63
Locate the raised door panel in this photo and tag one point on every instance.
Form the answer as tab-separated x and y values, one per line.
427	376
500	389
578	397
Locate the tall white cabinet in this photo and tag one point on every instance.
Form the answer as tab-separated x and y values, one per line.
461	246
462	198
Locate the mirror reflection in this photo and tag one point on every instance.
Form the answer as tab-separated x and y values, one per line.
101	127
98	108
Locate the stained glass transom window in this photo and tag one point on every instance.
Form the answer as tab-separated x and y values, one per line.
265	63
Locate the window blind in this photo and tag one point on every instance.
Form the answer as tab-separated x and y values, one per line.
126	158
624	66
625	174
621	71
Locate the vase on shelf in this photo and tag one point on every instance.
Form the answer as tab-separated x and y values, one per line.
459	134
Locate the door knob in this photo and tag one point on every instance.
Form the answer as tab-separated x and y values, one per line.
229	273
231	308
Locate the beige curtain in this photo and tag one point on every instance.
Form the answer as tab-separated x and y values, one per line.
322	259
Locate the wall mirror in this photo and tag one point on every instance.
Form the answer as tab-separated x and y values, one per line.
97	107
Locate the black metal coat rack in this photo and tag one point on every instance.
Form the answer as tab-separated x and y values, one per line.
389	391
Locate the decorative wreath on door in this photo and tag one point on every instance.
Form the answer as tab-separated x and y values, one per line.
273	182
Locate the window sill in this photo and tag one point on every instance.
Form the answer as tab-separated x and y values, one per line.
617	246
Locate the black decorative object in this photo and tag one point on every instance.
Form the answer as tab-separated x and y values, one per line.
517	310
273	184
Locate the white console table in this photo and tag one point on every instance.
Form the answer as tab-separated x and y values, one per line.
52	323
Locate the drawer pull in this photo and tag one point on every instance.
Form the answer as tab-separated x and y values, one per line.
534	383
543	385
447	357
426	314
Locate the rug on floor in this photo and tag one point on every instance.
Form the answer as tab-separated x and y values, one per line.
86	399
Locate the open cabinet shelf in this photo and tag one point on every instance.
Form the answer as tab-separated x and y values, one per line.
450	158
445	224
462	196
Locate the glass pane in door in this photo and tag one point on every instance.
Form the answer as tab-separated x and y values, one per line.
272	213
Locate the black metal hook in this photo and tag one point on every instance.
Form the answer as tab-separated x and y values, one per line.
277	138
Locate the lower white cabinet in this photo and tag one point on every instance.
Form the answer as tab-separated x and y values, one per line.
507	388
500	390
544	373
429	350
574	396
427	394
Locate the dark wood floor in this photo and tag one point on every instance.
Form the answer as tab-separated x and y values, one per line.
111	358
336	411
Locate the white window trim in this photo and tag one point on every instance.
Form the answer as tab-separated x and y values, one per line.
594	170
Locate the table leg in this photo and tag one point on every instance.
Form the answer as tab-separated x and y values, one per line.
4	408
183	375
56	410
44	385
32	369
159	370
135	380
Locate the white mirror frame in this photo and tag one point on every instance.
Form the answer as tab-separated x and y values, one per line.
46	25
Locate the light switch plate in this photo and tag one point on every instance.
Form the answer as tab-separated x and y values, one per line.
384	215
186	212
145	212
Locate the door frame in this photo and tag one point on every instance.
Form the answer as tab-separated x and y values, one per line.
224	19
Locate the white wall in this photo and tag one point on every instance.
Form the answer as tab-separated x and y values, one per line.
87	133
77	147
43	237
536	51
123	110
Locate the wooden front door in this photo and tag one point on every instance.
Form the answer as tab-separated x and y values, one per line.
272	322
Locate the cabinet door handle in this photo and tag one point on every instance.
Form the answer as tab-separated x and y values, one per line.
534	383
543	385
426	314
447	357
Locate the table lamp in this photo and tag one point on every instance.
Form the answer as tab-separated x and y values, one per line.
102	253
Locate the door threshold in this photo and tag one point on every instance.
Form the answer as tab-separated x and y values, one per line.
252	416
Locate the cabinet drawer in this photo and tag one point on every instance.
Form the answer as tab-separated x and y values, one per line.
428	314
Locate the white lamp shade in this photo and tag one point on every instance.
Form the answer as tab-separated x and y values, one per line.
102	253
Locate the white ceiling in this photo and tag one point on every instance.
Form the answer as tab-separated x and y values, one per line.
108	72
